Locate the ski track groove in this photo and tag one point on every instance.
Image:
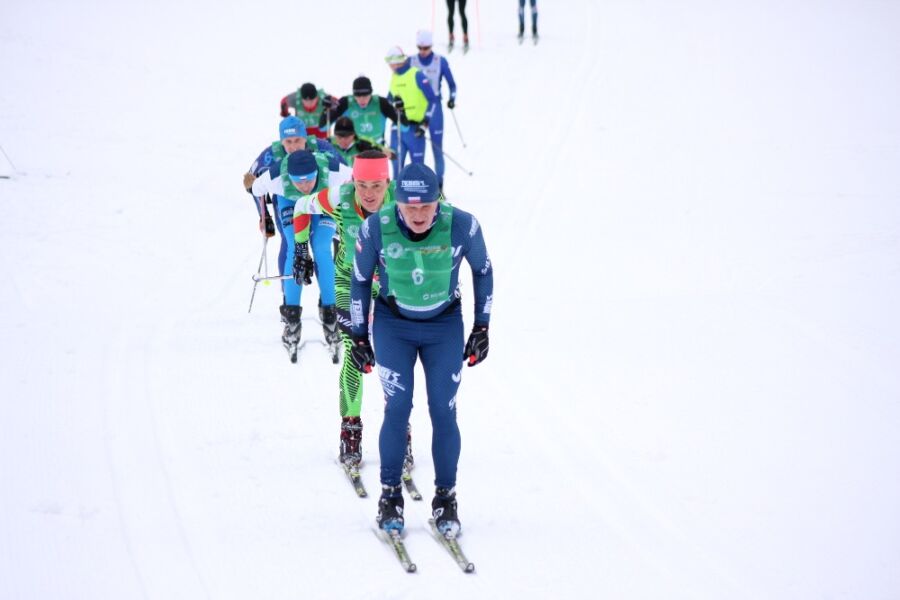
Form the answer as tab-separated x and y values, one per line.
134	355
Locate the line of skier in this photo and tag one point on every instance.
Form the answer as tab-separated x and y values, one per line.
389	284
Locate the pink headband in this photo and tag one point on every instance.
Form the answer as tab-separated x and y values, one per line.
370	169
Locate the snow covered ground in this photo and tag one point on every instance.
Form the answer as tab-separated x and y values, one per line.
693	210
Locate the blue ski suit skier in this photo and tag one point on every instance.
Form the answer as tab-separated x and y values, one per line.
292	137
413	97
417	247
534	20
435	67
300	173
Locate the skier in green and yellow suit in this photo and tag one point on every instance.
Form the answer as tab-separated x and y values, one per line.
349	204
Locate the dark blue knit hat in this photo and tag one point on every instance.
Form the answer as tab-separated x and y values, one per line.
417	184
302	166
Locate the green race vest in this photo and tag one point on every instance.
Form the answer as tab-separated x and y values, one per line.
310	119
368	122
414	101
292	193
348	154
278	152
418	272
350	222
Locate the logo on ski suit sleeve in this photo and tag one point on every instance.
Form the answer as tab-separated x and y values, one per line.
356	312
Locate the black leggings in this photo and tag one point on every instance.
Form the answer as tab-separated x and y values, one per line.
462	15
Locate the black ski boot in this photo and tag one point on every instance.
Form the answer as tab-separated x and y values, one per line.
443	509
450	44
290	316
390	509
351	442
328	315
521	35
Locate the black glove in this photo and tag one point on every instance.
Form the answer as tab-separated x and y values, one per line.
451	103
303	264
398	103
330	101
422	128
477	346
361	354
267	225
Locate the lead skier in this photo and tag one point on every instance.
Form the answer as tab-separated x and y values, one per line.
417	248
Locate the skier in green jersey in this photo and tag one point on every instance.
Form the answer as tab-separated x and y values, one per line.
349	145
349	204
309	104
415	249
367	111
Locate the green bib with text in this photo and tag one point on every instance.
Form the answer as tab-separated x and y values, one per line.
310	119
351	222
368	122
418	272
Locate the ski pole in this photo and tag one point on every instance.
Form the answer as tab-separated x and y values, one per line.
455	122
264	278
399	146
451	159
328	120
9	160
263	260
256	280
